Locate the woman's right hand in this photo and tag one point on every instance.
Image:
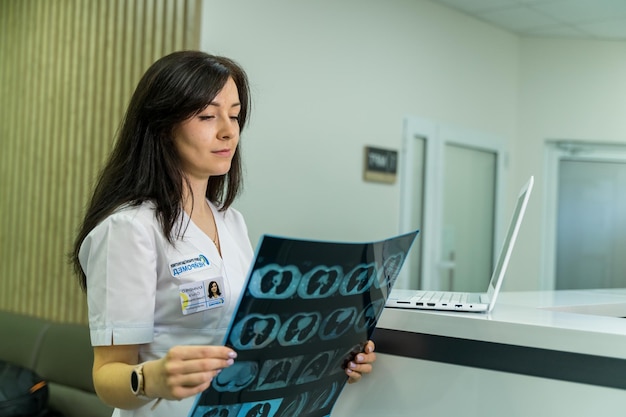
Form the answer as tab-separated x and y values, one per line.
185	371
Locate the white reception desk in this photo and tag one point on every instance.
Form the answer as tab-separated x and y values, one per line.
552	353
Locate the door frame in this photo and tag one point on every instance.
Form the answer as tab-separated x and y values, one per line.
555	150
436	136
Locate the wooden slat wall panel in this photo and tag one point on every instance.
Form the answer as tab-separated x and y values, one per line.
67	70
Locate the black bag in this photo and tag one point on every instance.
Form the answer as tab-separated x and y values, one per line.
23	393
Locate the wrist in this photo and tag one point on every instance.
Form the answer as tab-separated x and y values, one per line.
150	380
138	382
142	382
149	385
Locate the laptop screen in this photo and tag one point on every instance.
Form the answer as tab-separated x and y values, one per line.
511	235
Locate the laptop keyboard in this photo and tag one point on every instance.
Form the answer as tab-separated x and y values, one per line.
445	297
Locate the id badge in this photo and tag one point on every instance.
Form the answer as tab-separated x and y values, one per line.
202	295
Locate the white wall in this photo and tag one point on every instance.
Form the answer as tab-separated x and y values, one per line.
573	90
330	77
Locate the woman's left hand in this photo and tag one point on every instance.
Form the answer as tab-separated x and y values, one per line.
361	364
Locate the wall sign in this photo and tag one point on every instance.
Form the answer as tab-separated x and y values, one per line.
380	165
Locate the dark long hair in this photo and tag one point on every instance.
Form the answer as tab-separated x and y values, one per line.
144	165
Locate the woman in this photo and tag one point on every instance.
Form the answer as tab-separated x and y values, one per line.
214	290
160	221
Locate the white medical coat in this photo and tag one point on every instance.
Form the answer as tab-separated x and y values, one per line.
134	279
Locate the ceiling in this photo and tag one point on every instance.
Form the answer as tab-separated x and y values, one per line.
579	19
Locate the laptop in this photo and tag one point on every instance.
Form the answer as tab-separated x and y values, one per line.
463	301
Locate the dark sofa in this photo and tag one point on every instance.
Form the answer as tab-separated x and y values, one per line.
61	353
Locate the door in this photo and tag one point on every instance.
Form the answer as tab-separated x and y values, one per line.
450	190
468	219
591	226
585	215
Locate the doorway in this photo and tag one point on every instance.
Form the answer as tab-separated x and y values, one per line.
589	215
451	182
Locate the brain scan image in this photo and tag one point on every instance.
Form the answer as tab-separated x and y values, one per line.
369	315
320	282
217	411
275	281
359	279
315	368
323	397
390	270
276	373
299	328
337	323
255	331
341	358
293	407
260	409
236	377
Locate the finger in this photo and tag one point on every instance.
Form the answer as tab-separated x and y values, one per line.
355	371
207	365
361	369
369	347
198	352
353	376
365	358
192	380
182	385
178	392
196	366
179	385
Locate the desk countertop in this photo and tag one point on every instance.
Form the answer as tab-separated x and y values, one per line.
542	354
579	321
